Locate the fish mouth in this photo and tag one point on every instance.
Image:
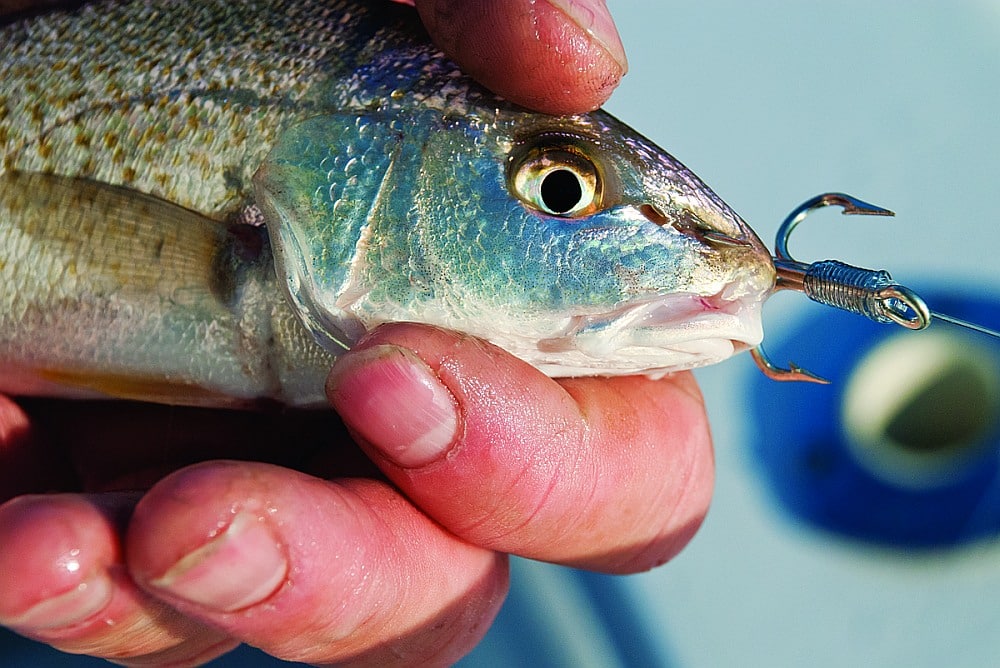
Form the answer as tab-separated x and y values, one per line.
656	336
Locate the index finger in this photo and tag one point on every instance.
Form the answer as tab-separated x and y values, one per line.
554	56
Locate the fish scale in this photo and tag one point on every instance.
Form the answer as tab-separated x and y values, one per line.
179	100
137	139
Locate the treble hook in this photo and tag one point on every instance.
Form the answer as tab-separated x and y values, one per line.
867	292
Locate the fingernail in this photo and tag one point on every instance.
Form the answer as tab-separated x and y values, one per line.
396	403
240	567
68	609
594	17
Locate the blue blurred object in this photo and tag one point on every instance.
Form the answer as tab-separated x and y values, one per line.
930	475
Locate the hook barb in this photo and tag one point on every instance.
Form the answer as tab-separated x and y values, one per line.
837	284
852	206
793	373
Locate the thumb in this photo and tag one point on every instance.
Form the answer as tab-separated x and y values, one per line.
612	474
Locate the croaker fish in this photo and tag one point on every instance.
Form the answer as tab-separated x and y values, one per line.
205	202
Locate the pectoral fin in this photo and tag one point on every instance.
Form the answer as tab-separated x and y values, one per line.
106	290
111	237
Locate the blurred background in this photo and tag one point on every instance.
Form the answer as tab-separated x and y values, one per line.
853	524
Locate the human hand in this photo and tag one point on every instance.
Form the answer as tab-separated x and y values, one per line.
488	457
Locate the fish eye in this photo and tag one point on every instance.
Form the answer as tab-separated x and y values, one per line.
557	181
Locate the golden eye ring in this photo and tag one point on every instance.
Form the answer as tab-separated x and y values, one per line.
558	182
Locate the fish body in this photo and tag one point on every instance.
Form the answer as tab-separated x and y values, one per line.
205	202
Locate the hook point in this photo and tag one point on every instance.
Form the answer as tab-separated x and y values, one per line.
793	373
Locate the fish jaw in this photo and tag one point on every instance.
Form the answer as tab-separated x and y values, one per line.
675	332
667	332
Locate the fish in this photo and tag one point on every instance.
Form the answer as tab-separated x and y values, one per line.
205	203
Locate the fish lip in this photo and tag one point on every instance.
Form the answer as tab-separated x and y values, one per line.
689	316
663	321
655	336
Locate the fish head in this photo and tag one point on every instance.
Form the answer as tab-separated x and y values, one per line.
572	242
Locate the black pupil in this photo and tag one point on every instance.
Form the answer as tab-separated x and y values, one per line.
561	191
